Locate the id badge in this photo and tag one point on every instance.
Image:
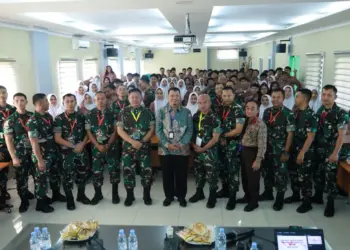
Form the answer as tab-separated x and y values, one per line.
199	141
136	135
171	135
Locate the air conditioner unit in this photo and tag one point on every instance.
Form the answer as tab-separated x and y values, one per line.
181	51
80	44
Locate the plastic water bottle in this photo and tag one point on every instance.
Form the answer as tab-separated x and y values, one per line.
132	240
254	246
45	239
122	243
34	243
220	241
38	236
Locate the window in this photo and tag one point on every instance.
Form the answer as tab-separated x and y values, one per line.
227	54
314	71
114	63
68	76
342	78
8	76
90	68
129	66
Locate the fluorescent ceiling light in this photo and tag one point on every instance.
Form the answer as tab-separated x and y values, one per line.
225	44
142	31
261	35
246	27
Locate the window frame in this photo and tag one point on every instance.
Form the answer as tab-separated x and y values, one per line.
343	102
11	87
95	60
75	83
311	73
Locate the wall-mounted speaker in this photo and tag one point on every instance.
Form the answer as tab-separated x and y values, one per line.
197	50
243	53
281	48
112	52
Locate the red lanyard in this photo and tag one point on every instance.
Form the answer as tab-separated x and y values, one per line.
218	101
47	121
100	120
7	114
71	124
23	124
323	117
273	118
225	114
121	106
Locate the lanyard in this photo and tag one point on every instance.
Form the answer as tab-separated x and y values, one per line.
218	101
121	106
172	118
99	119
7	114
71	124
323	117
225	114
46	121
273	118
136	117
201	118
24	124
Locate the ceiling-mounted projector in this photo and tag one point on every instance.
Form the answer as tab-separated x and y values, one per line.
191	39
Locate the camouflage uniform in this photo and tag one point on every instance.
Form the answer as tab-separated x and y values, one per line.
41	127
136	130
205	164
330	120
216	105
229	153
73	164
102	134
279	122
212	94
149	97
15	126
300	175
4	114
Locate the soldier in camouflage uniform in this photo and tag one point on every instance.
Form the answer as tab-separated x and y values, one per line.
19	147
233	119
206	133
280	128
70	135
44	156
100	125
329	139
149	93
136	127
300	165
5	111
217	102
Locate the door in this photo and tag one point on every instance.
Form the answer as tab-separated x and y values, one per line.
294	63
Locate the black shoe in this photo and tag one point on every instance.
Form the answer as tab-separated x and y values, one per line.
7	195
212	199
317	198
42	206
129	197
294	198
97	197
231	204
243	200
267	195
199	195
167	202
183	202
329	210
278	205
24	205
57	196
30	195
147	196
81	197
224	192
250	207
115	195
304	207
48	199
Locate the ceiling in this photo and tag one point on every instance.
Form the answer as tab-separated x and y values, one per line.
153	23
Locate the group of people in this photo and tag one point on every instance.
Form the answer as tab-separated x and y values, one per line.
230	123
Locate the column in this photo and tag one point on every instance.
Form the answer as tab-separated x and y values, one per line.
102	58
138	59
273	55
121	60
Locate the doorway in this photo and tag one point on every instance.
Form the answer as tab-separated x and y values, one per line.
294	63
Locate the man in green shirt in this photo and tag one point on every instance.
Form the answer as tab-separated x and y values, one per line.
206	133
44	156
18	145
300	166
280	129
100	125
329	140
70	135
148	92
136	127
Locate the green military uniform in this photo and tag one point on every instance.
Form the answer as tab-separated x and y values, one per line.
212	94
205	164
16	127
136	122
75	165
229	152
279	122
330	120
216	105
300	175
41	127
149	97
4	114
102	126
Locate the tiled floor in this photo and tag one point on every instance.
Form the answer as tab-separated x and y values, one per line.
336	229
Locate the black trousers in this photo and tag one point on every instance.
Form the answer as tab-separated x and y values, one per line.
250	178
174	169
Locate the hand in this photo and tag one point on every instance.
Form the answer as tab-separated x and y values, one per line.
172	147
300	158
333	158
256	165
284	157
200	149
101	148
41	166
16	162
136	144
79	147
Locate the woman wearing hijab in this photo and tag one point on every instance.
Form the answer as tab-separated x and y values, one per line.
93	89
54	107
197	89
164	85
80	95
192	104
315	102
159	102
87	104
266	102
182	86
289	100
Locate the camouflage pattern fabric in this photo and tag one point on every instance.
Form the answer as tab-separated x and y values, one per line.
102	134
279	122
216	105
15	126
149	97
118	106
136	129
206	163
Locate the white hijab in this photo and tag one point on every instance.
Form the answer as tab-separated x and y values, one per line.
91	105
158	104
289	102
183	89
315	104
262	107
190	106
54	110
164	88
79	97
